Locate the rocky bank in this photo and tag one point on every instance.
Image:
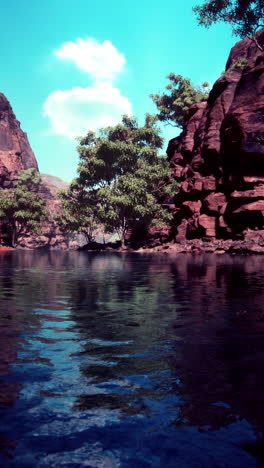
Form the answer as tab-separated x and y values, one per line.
218	159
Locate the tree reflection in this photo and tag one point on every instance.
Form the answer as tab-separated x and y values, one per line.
118	330
174	339
210	309
220	359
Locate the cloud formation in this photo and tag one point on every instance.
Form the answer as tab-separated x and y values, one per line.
73	112
101	61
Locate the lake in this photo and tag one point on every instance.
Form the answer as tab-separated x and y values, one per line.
131	360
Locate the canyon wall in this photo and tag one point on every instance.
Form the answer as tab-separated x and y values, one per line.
218	159
16	155
15	151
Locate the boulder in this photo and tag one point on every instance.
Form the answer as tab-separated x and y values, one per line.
208	223
214	202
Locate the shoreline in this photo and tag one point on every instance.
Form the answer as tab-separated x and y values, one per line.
196	246
218	247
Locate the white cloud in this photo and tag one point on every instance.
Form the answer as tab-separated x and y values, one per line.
100	61
72	113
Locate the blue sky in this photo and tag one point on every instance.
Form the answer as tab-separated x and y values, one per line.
69	66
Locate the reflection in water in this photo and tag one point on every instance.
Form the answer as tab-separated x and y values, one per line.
130	360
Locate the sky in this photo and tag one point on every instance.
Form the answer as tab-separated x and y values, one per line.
73	66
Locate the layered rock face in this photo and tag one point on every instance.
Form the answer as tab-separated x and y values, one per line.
15	151
16	155
219	157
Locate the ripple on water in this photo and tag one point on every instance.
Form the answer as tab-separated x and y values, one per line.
130	361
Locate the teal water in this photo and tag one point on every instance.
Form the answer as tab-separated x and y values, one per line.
130	360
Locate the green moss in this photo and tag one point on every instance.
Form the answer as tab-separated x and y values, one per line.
239	65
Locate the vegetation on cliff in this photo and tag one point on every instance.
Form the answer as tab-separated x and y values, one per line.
119	183
22	210
172	106
245	16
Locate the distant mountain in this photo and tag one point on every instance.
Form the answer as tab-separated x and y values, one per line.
54	183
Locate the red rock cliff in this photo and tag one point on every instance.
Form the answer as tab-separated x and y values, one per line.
15	151
219	157
16	155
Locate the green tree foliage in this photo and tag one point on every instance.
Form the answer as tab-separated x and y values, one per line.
172	106
245	16
22	210
118	186
77	213
132	201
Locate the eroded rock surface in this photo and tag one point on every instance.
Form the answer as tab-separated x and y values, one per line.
16	155
219	157
15	151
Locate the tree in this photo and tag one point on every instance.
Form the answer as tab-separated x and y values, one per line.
21	209
132	201
118	184
245	16
115	151
182	95
77	211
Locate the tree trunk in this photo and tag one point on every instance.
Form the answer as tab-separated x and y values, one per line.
14	236
259	46
123	231
122	239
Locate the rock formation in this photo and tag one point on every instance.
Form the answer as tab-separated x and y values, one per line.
16	155
15	151
219	157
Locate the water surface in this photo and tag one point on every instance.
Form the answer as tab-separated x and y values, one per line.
130	360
